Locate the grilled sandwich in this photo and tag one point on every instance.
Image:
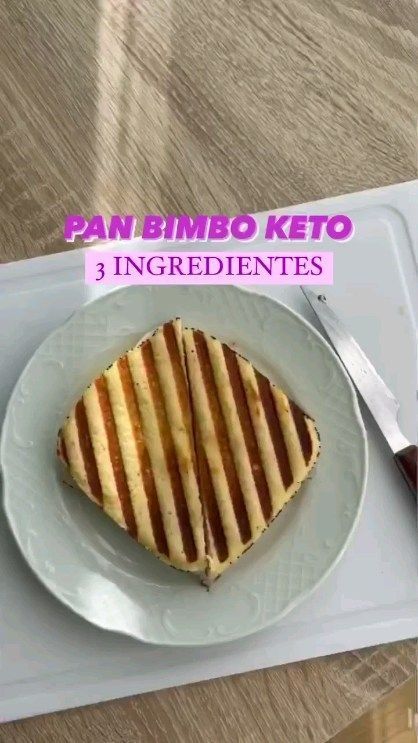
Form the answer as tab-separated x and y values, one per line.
189	448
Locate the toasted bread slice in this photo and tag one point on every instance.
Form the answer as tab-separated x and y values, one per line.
128	444
255	447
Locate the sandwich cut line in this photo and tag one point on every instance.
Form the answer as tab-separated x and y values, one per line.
180	381
213	531
235	491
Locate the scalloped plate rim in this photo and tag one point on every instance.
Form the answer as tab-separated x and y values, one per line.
303	595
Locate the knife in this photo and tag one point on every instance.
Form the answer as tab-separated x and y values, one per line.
377	396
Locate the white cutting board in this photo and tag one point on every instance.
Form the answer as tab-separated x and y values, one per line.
50	659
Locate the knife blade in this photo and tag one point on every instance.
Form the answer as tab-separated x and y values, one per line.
378	397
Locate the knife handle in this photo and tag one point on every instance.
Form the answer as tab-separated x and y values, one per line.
406	459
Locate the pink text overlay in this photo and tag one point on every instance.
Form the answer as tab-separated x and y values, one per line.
214	227
118	268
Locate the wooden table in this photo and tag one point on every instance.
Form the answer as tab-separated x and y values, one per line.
137	106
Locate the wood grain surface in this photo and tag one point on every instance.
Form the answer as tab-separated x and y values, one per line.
391	720
139	106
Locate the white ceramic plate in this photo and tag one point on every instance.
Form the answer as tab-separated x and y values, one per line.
91	564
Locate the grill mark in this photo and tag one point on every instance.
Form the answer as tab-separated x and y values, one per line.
247	428
62	449
235	491
143	456
180	382
116	456
302	431
87	452
210	505
180	501
275	429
